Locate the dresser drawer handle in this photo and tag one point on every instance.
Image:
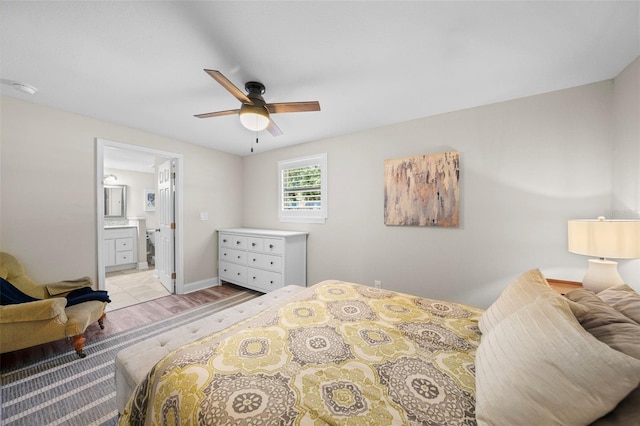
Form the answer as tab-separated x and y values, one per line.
224	241
254	278
270	246
254	260
271	263
224	270
237	242
271	282
224	254
238	257
253	244
238	273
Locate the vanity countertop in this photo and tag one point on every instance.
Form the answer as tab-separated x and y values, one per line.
119	226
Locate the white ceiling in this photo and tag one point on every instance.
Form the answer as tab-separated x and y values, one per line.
368	63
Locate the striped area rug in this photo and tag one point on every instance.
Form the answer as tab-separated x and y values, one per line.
67	390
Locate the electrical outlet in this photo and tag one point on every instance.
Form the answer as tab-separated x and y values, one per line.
377	284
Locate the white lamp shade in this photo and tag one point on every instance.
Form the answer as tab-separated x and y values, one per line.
254	117
615	239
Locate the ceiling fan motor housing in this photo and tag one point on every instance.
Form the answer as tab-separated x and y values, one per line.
254	86
254	116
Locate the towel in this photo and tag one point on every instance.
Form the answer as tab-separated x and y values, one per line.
10	295
68	285
85	294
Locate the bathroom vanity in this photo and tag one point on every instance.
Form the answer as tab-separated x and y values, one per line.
120	247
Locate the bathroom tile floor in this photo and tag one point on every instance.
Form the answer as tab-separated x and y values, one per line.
133	286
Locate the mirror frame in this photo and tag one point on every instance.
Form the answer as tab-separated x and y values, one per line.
123	201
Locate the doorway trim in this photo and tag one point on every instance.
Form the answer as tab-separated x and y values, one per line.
101	144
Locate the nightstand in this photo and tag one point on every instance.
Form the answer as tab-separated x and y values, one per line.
562	286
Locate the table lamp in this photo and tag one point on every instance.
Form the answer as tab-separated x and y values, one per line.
602	238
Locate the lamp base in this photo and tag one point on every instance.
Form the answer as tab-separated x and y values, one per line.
601	275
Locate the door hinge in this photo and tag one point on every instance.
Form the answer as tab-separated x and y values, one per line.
173	275
173	225
173	175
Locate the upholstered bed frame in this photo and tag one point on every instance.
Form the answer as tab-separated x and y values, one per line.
133	363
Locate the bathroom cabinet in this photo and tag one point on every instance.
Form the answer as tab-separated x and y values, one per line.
120	248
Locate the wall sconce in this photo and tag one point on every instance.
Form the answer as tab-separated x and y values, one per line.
617	239
109	177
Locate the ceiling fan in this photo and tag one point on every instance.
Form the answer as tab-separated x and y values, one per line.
254	112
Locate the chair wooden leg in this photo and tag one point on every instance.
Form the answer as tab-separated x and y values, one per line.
101	321
78	344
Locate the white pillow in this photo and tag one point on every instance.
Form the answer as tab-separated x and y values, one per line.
538	366
524	290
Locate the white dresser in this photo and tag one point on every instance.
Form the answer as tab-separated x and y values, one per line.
262	259
120	248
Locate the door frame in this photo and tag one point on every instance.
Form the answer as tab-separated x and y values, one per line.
101	144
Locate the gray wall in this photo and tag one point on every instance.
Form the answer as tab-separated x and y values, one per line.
527	166
48	191
626	156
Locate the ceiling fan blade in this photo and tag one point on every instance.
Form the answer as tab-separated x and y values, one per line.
273	128
231	88
217	113
281	107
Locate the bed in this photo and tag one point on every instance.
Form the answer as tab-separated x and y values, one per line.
344	353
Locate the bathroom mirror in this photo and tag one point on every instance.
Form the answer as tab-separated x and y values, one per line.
115	201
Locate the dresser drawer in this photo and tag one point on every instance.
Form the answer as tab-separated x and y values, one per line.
262	259
123	257
233	272
255	244
265	261
274	245
265	280
124	244
238	242
235	256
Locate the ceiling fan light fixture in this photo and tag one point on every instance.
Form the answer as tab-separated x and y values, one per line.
254	117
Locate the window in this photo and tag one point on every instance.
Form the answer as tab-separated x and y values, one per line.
303	189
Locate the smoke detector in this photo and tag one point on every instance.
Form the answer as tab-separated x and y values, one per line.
24	88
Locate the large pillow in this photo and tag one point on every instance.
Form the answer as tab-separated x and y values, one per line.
607	324
621	333
624	299
538	366
524	290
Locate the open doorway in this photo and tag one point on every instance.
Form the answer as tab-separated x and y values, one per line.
136	171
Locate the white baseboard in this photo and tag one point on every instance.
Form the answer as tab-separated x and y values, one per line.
143	265
201	285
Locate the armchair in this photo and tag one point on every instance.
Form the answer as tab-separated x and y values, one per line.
48	319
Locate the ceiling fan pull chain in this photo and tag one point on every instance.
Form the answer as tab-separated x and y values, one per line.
256	141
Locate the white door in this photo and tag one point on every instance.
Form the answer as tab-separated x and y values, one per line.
165	236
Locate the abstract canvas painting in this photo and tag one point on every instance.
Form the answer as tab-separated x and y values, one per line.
422	190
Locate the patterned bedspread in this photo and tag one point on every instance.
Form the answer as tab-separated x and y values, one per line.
337	353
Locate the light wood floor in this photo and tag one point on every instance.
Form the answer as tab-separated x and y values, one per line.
123	319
